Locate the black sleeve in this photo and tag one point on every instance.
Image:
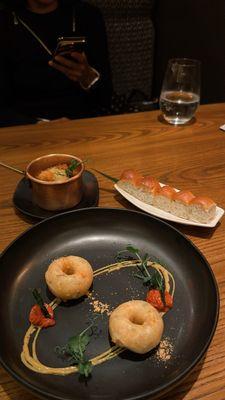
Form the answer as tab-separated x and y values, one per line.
8	113
97	54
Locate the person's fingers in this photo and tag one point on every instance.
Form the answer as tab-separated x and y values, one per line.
80	57
72	74
59	67
74	70
66	62
72	66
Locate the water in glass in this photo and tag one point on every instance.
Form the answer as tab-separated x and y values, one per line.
180	93
178	107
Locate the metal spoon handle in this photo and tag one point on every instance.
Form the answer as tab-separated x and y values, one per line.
19	171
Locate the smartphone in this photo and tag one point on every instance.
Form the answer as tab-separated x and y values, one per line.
66	45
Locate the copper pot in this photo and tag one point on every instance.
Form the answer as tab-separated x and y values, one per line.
55	195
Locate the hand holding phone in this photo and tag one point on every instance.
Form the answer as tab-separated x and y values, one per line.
67	45
70	59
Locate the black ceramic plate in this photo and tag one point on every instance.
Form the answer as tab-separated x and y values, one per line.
22	198
98	234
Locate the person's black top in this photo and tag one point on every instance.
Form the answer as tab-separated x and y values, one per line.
29	87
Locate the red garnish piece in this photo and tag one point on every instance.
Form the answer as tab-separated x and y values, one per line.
37	317
155	299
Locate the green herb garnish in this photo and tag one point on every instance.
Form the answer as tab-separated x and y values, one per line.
150	277
75	350
41	303
73	165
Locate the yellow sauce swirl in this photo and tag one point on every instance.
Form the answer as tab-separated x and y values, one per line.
30	359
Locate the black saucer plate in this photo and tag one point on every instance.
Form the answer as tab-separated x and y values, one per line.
98	234
22	198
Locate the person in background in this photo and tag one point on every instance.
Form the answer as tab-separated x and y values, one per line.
35	84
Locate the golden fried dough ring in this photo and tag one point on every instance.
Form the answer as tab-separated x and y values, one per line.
136	325
69	277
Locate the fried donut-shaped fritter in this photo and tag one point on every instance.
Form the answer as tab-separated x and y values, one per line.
69	277
136	325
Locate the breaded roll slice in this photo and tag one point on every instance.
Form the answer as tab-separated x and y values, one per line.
164	197
130	181
149	187
202	209
180	204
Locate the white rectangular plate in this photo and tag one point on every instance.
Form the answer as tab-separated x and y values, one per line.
165	215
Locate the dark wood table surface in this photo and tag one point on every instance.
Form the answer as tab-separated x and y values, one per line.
186	157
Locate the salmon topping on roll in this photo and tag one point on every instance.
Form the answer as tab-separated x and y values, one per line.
184	196
151	184
133	176
205	202
128	175
168	191
183	204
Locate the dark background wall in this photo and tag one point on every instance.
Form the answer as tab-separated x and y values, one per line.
144	34
193	29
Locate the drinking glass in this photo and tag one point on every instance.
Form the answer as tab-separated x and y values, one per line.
180	93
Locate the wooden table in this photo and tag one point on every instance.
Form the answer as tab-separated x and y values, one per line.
187	157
